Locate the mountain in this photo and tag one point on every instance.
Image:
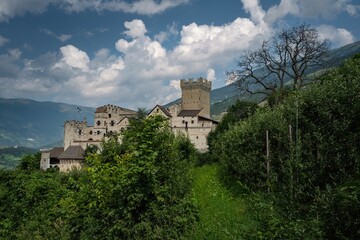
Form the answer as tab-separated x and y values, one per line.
34	124
222	98
10	157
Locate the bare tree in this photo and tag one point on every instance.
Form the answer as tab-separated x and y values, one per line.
287	56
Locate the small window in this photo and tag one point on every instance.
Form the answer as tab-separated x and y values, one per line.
79	131
197	137
112	123
98	132
91	132
183	121
157	110
98	123
192	121
109	115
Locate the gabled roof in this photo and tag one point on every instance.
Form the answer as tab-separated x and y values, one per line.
73	152
189	113
164	110
55	152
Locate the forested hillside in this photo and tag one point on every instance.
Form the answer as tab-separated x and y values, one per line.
33	124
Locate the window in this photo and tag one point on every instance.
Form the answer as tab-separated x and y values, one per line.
192	121
98	123
91	132
98	132
79	131
112	123
109	115
183	121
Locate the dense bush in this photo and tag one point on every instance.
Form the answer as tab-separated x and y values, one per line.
139	189
322	152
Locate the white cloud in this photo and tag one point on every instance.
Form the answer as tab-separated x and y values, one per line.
254	8
311	9
3	41
12	8
136	28
337	36
74	58
211	76
138	76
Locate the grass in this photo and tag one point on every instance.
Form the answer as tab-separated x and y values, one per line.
222	214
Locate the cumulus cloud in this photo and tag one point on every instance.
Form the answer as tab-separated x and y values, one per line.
337	36
74	58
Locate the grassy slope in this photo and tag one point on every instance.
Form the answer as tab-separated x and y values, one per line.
222	216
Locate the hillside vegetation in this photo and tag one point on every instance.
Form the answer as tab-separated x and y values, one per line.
306	185
35	124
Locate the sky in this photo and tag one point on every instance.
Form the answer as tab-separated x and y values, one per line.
134	53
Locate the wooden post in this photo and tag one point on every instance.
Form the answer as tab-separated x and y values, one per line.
267	157
290	133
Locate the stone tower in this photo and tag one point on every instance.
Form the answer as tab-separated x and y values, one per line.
73	131
196	95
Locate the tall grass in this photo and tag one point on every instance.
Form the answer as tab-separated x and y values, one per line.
222	215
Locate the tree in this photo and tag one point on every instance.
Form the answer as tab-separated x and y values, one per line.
30	162
287	56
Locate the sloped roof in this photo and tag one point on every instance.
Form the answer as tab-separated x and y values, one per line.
208	119
55	152
189	113
73	152
101	109
163	109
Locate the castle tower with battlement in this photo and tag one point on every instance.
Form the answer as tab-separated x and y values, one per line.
196	95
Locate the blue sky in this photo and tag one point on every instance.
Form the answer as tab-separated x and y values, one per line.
133	53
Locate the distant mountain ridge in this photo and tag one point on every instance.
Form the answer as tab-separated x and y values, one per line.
34	124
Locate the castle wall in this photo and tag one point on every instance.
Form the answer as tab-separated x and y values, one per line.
68	165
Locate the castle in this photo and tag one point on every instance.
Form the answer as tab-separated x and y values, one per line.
191	117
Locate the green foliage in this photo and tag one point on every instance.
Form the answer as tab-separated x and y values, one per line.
137	189
29	205
309	165
30	162
237	112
